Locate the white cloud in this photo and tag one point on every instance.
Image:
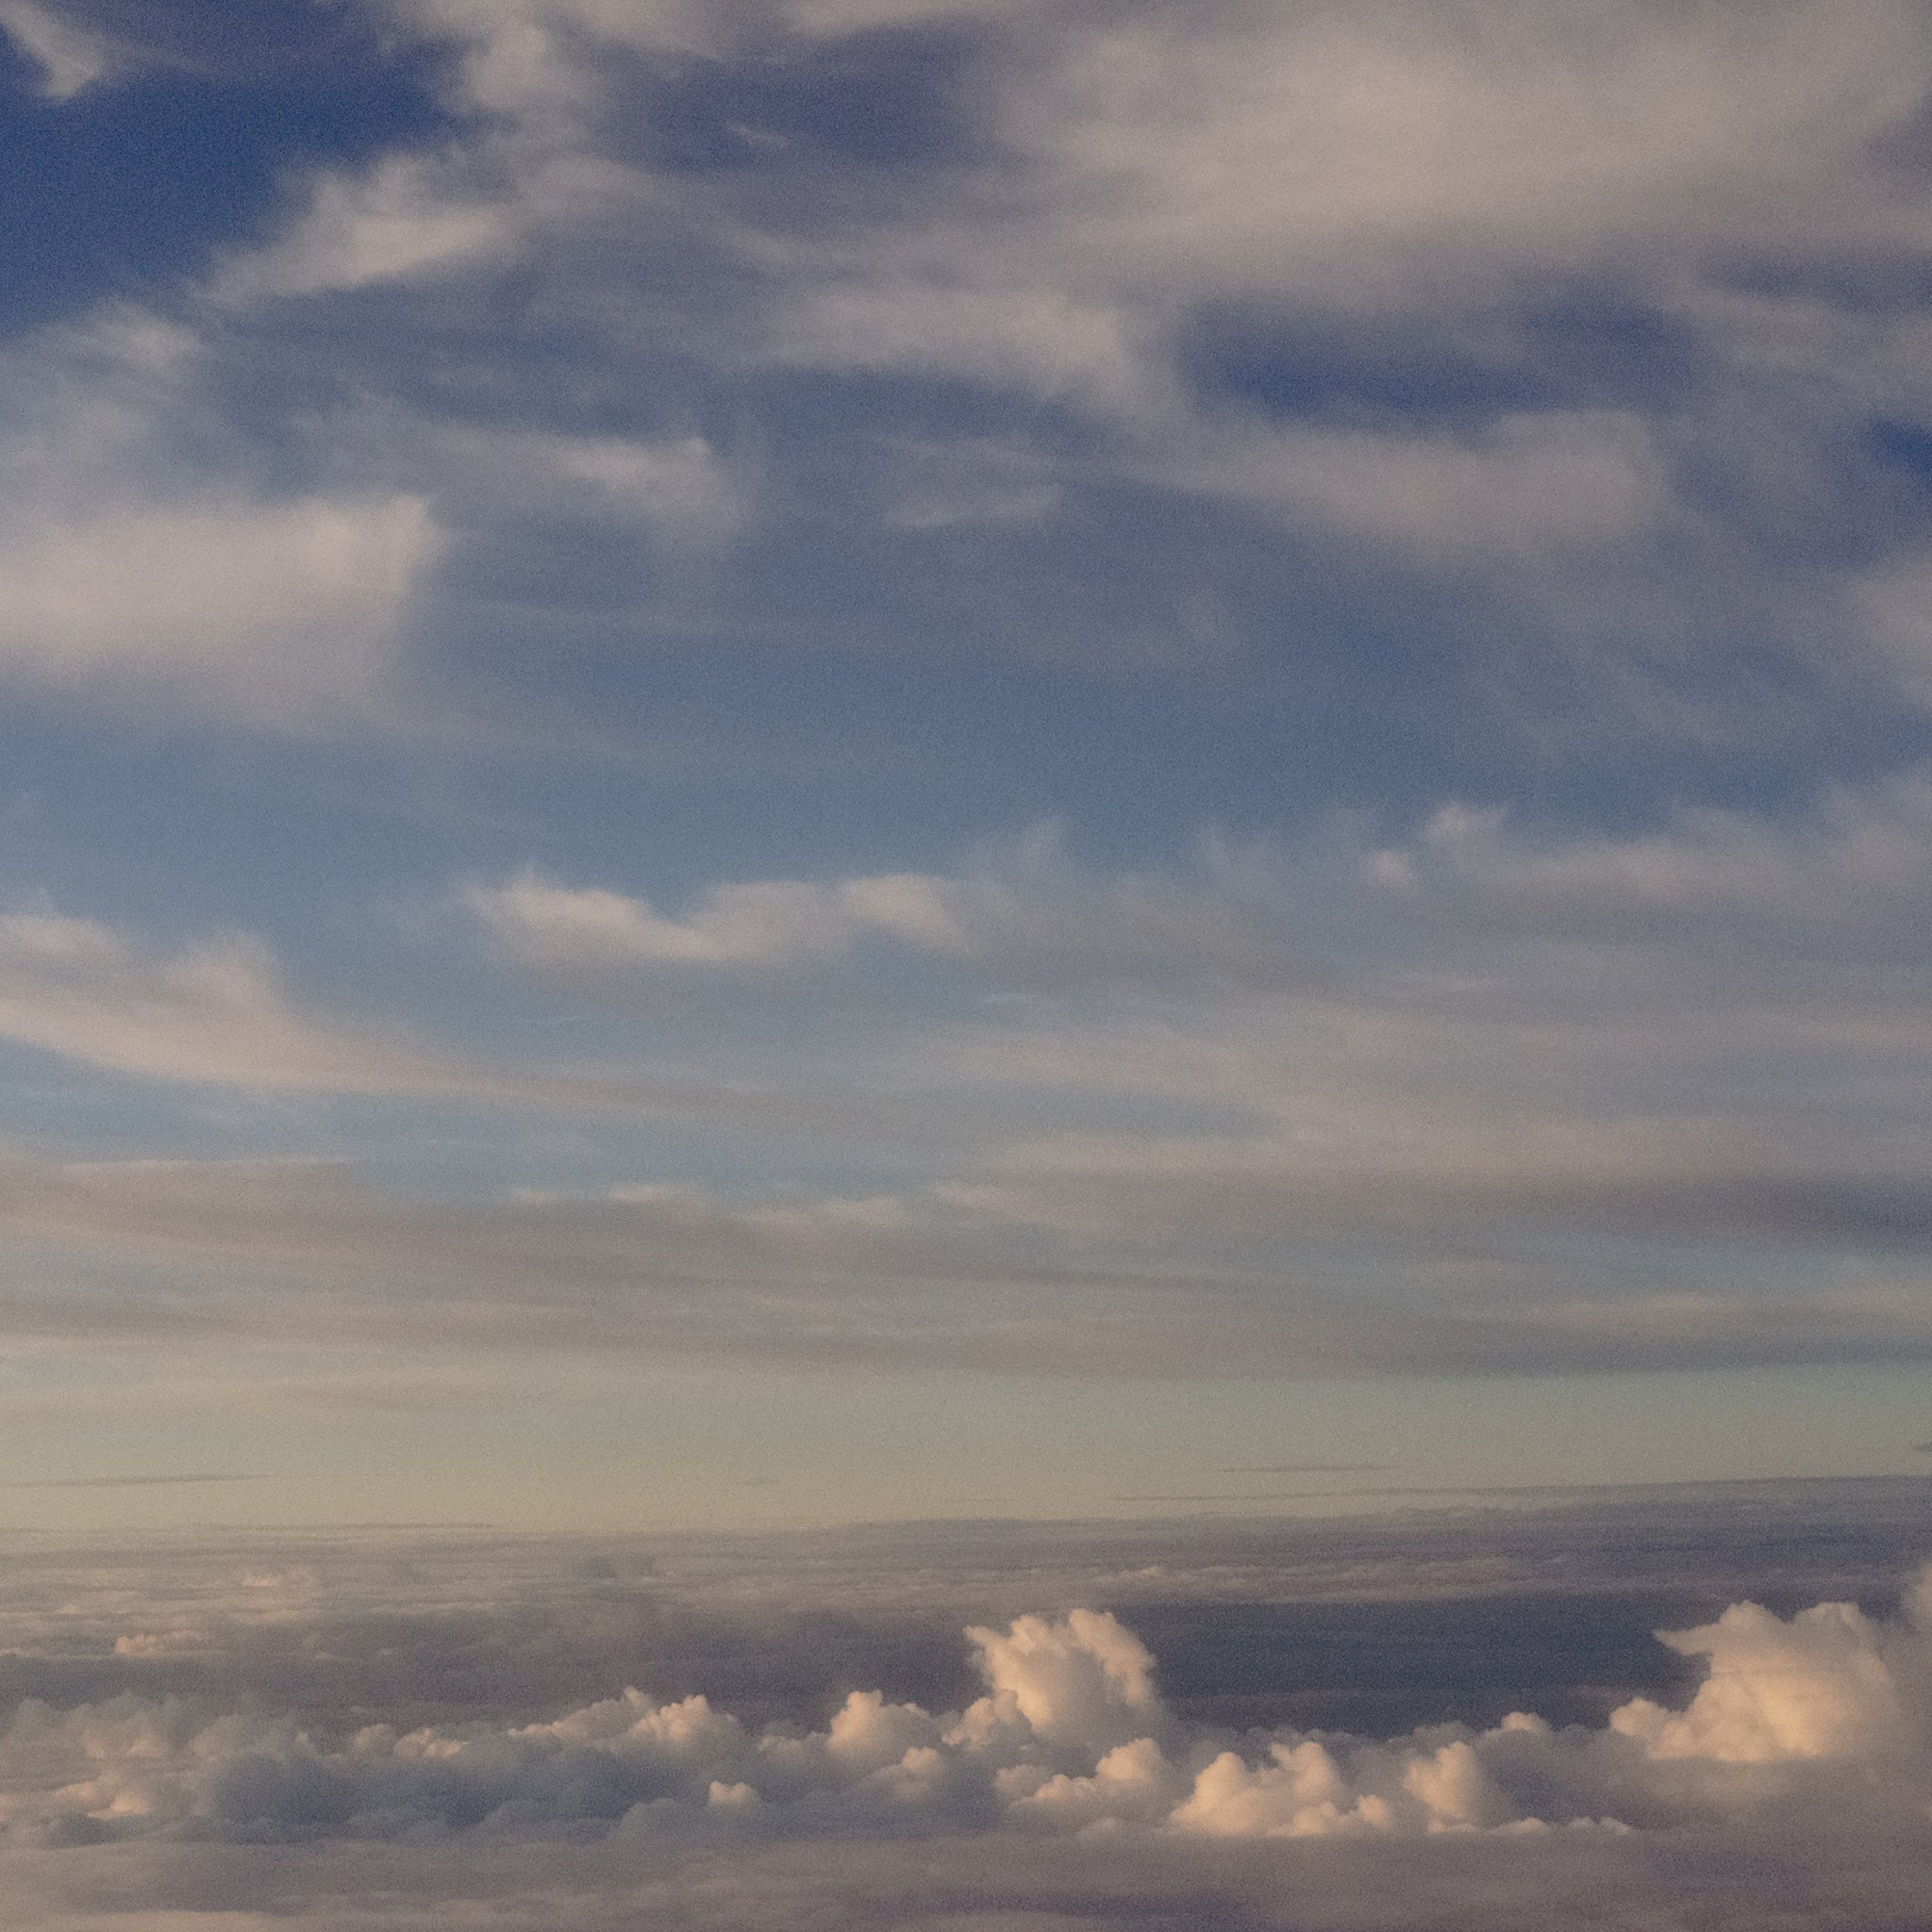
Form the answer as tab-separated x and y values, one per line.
1085	1681
550	925
69	57
396	1732
678	486
1120	176
305	1251
1068	1737
1820	1686
272	614
1028	909
215	1013
1525	485
1890	606
1853	868
1058	343
403	221
1344	154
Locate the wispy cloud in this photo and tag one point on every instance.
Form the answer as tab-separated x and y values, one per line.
69	57
215	1013
1026	912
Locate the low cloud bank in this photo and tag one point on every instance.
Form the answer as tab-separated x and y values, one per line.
1825	1716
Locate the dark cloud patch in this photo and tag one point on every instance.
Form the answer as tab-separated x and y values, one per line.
1379	1668
1588	350
1907	445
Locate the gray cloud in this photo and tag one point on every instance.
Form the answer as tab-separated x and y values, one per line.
125	1482
284	1253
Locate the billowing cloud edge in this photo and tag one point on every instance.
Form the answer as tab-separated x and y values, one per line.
1823	1712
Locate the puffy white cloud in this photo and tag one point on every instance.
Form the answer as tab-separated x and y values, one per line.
1086	1681
1299	1792
1068	1738
1820	1686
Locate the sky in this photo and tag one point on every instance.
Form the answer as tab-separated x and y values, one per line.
851	759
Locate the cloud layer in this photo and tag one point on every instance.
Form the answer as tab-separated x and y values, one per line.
1804	1728
1567	335
1480	1096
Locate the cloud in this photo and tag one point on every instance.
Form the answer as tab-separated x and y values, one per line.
1819	1687
1052	342
1520	308
283	1252
267	613
403	221
69	57
1801	1720
1028	911
216	1013
294	1250
123	1482
1539	1108
678	486
1339	152
549	926
1526	486
213	1013
1854	865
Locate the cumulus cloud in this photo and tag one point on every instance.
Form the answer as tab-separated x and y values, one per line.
1806	1716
